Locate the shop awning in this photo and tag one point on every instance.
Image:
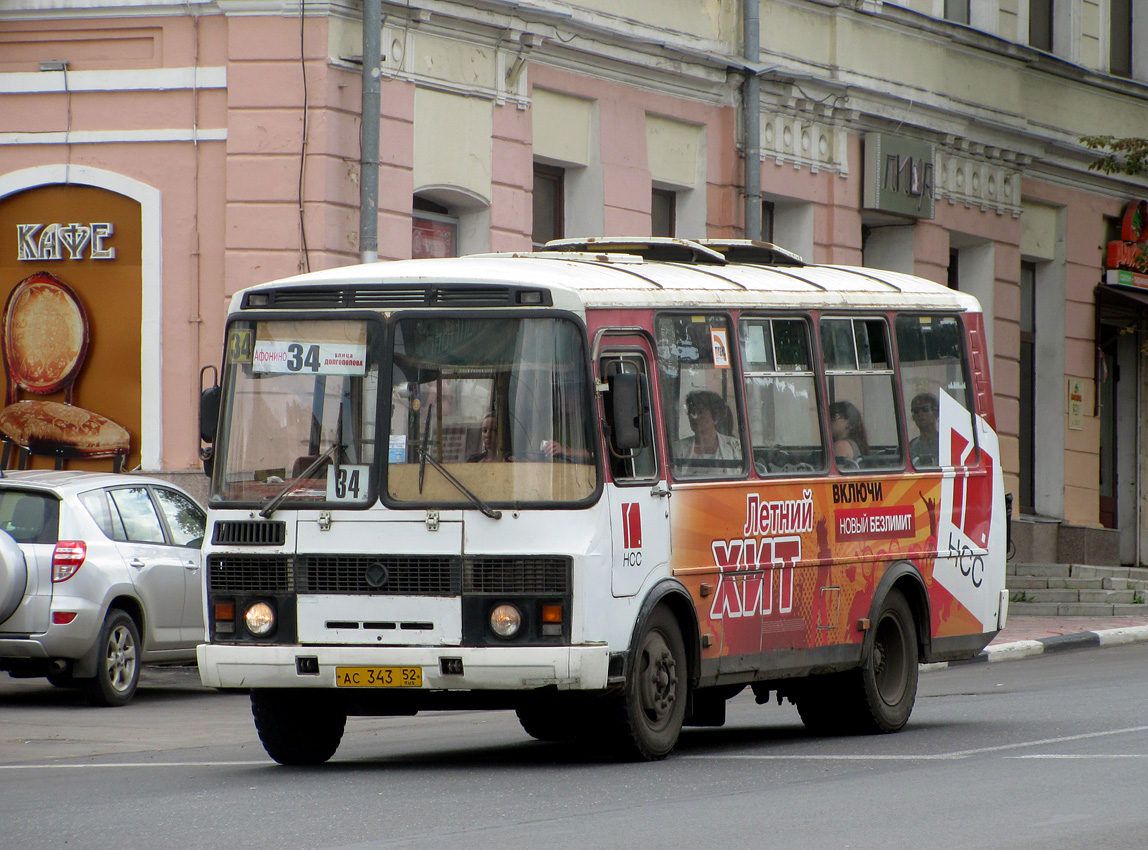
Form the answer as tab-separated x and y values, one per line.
1115	303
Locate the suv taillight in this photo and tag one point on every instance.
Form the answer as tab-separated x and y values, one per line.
67	557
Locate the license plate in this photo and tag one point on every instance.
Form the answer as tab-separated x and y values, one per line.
379	677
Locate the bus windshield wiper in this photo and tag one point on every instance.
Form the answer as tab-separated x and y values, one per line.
425	459
331	454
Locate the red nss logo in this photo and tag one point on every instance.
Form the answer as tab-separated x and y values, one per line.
631	525
972	494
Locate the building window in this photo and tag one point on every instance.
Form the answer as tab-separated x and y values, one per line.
953	278
1040	24
663	218
1027	435
549	204
957	11
434	231
1120	38
768	212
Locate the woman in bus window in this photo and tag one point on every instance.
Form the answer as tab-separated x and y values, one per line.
708	416
848	429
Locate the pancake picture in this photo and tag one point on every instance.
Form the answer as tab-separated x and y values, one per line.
45	339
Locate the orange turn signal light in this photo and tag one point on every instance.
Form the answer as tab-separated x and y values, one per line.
552	613
225	610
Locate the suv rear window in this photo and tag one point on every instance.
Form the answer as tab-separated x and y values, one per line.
30	517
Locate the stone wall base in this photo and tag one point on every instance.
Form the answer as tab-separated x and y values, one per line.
1040	541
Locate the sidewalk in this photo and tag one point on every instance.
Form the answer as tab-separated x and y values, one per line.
1026	636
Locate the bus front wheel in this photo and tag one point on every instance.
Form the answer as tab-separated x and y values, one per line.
652	708
297	728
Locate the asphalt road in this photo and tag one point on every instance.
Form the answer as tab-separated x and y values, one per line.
1049	752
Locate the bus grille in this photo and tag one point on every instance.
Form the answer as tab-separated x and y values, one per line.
516	575
249	574
395	575
434	575
247	532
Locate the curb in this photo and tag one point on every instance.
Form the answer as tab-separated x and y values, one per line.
1016	650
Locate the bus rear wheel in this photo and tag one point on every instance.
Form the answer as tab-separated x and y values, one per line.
878	696
297	728
652	707
887	682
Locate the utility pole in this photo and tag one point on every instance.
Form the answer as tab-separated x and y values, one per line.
369	159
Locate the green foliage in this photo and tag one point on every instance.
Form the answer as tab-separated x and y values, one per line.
1122	156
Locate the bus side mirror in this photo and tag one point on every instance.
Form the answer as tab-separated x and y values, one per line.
208	419
208	414
630	409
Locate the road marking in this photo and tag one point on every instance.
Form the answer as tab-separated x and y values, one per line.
1092	756
124	764
958	754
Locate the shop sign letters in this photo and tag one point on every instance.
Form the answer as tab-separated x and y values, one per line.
1131	252
40	242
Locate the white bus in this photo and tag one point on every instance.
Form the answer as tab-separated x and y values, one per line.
607	485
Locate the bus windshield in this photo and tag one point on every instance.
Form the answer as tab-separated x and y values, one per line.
300	412
502	407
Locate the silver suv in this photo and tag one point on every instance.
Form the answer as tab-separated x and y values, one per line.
99	573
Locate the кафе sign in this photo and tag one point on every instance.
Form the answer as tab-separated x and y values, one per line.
91	240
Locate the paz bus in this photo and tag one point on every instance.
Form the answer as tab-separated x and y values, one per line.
607	485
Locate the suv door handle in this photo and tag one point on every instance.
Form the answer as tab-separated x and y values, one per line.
137	562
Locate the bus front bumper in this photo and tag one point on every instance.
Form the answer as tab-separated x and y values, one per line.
502	668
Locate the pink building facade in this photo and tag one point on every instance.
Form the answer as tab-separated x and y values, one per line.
228	136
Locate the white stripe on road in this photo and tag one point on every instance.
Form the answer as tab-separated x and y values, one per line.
1095	756
123	764
958	754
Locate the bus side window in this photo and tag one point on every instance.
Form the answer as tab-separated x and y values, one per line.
863	429
933	367
627	465
781	396
698	385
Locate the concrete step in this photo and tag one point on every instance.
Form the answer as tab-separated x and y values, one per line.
1039	570
1084	572
1076	609
1047	582
1109	597
1076	590
1124	584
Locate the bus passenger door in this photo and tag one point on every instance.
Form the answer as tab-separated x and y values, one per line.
638	494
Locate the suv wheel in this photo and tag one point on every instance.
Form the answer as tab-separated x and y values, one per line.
117	664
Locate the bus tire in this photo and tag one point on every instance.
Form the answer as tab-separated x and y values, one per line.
297	728
819	705
652	706
889	678
887	681
878	696
550	720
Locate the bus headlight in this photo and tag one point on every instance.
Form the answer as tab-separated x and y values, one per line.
260	618
505	620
